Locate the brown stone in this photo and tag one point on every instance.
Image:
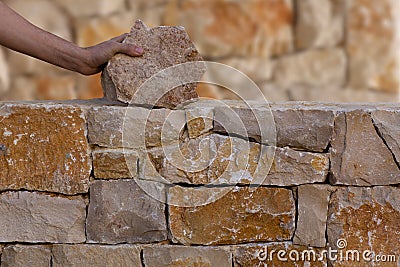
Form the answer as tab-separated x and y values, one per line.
33	217
359	156
180	256
365	219
44	148
199	121
95	255
164	47
21	256
115	163
240	215
122	212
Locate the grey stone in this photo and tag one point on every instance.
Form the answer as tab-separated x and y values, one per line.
35	217
121	211
22	256
115	163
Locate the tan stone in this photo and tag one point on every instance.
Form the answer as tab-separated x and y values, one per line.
21	256
359	156
236	28
199	121
366	219
33	217
4	74
115	164
319	23
241	215
372	44
305	68
89	87
180	256
77	8
44	148
122	212
96	255
124	78
313	203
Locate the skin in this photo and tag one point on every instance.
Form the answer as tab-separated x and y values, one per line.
20	35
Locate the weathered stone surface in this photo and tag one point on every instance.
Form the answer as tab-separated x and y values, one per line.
313	203
115	163
319	23
4	75
367	219
21	256
163	47
199	121
95	255
372	30
91	7
305	68
267	255
34	217
121	212
44	148
359	156
257	68
241	215
179	256
255	28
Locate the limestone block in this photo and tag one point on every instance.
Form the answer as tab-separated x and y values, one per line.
241	215
77	8
115	163
21	256
44	148
124	78
33	217
95	255
180	256
199	121
319	23
236	28
359	155
122	212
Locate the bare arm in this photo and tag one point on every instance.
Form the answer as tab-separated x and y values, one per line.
20	35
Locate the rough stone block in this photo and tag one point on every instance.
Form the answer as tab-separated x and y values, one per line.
95	255
199	121
33	217
122	212
164	47
359	155
179	256
22	256
115	163
240	215
44	147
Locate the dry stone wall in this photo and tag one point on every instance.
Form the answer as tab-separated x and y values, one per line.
82	186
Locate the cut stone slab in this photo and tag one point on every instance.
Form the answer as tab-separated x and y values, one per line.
367	219
96	255
359	156
313	203
115	163
122	212
199	121
33	217
21	256
241	215
180	256
163	47
43	147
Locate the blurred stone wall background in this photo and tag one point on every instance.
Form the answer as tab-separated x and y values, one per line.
327	50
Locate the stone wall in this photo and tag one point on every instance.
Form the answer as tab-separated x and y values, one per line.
325	50
83	185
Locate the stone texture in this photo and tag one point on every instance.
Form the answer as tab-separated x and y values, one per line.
241	28
21	256
372	30
199	121
115	164
95	255
33	217
319	23
359	155
44	148
4	74
163	47
305	68
241	215
368	219
179	256
77	8
121	212
313	203
257	68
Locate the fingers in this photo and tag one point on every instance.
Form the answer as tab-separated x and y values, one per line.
129	49
120	38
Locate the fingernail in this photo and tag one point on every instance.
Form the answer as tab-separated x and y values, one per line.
139	50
